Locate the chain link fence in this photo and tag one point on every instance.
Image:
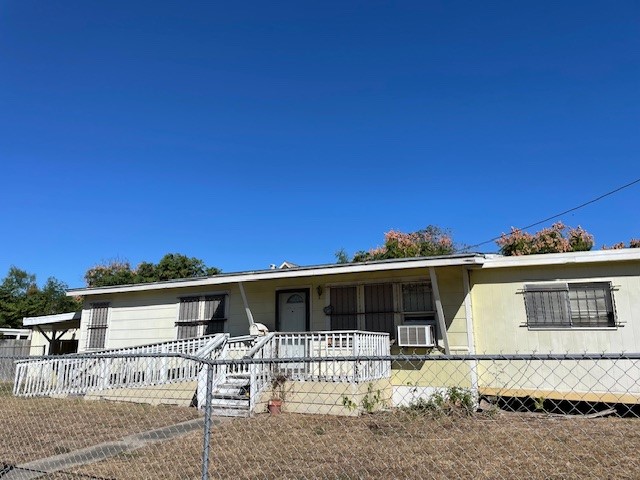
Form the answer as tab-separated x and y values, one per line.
429	416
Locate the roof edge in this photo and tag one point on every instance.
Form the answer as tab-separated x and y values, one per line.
567	258
293	272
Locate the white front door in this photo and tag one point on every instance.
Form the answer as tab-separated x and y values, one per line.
292	317
292	308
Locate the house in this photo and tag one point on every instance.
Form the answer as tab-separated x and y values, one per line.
458	304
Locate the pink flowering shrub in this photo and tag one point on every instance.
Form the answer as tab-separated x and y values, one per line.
633	243
548	240
428	242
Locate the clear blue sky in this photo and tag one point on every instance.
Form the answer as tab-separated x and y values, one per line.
247	133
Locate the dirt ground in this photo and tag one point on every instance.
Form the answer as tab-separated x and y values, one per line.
385	445
33	428
396	445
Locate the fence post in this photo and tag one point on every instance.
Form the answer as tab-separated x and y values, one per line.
207	424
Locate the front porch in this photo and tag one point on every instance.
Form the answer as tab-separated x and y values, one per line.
243	368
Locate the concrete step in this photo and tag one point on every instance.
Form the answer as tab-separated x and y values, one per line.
232	390
231	412
235	381
229	403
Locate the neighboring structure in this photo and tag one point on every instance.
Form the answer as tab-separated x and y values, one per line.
459	304
54	334
14	342
15	333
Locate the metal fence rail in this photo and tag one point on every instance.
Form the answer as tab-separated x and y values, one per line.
256	416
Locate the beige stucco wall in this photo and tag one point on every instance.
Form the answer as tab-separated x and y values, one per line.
138	318
500	320
328	398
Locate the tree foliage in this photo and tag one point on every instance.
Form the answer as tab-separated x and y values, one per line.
428	242
555	239
170	267
20	296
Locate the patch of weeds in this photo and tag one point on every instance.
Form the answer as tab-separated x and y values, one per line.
370	402
454	400
538	403
349	404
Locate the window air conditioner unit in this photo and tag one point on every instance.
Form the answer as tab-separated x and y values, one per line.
416	336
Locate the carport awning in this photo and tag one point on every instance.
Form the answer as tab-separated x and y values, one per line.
61	321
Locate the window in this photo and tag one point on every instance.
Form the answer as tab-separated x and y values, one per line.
344	308
203	315
417	303
380	307
97	328
569	305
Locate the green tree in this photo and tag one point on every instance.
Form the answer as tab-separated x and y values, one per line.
428	242
171	266
176	265
21	297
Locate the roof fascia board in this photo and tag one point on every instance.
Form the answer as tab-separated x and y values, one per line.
475	260
45	319
550	259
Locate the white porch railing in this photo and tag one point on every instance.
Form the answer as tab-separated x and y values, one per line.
324	349
154	364
322	352
138	366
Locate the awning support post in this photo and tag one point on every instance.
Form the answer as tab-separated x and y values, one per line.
439	312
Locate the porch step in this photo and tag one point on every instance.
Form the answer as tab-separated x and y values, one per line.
229	403
231	411
230	398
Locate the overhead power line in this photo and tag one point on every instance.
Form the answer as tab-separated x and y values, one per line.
594	200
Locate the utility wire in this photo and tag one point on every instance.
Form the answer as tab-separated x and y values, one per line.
559	214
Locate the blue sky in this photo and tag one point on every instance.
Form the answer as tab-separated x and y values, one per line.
248	133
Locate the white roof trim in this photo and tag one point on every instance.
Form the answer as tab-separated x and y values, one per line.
596	256
15	331
46	319
297	272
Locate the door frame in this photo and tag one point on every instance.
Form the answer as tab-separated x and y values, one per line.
307	312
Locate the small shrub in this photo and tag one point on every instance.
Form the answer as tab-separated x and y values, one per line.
453	400
371	400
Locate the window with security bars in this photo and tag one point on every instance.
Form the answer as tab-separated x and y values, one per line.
97	328
380	307
344	308
203	315
569	305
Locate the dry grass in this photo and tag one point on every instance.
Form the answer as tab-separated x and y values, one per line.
395	445
386	445
33	428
